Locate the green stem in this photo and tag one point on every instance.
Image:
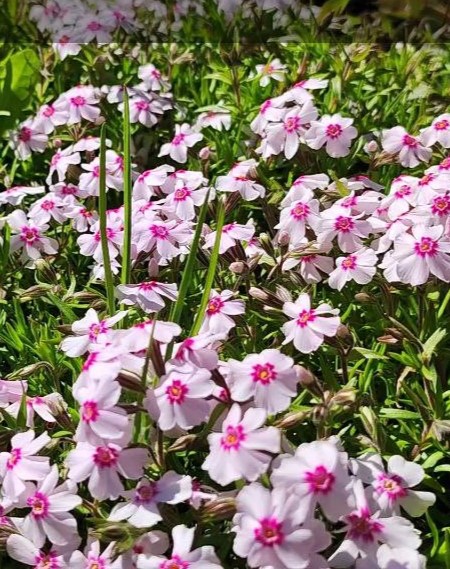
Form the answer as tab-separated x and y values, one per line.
102	215
126	254
211	270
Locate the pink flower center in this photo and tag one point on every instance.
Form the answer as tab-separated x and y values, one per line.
441	205
39	505
344	224
46	561
291	124
176	392
148	286
145	493
304	317
181	194
96	329
426	247
320	480
159	232
268	68
362	526
64	39
334	131
351	201
142	105
264	373
425	180
78	101
89	411
349	263
25	134
90	360
215	305
403	191
443	124
390	485
105	457
94	26
155	74
228	227
410	141
300	211
95	562
265	106
29	234
233	438
47	205
48	111
269	532
445	164
68	190
178	139
174	562
16	455
308	258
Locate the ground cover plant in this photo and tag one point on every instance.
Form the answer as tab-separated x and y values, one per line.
224	268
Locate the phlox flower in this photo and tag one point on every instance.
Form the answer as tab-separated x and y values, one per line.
183	556
268	530
148	295
100	418
143	109
423	251
402	196
309	326
231	233
91	27
40	406
49	517
82	218
89	332
60	163
52	115
430	186
16	194
137	338
220	308
335	132
349	230
217	119
148	182
141	508
366	531
409	148
93	558
151	543
25	551
318	474
438	131
268	377
197	351
184	199
65	46
83	101
152	78
299	215
273	70
302	186
271	110
28	138
68	192
89	184
360	267
21	463
180	178
310	266
181	397
392	488
102	464
398	558
91	243
163	236
185	137
12	391
238	182
241	449
28	235
49	207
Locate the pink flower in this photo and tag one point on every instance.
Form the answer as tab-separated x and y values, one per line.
218	311
392	489
366	531
399	558
241	449
309	325
269	378
38	405
16	194
149	181
268	530
231	233
52	115
302	186
102	465
152	78
60	163
184	138
402	196
216	119
238	182
93	559
64	46
49	517
83	101
141	507
90	331
197	351
299	215
333	131
91	243
318	474
147	295
162	236
49	207
12	391
439	131
21	464
409	148
100	418
181	397
184	199
273	70
144	109
310	265
25	551
359	267
349	229
271	110
417	255
28	235
183	556
28	139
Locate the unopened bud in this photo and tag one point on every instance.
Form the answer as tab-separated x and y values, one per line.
308	381
82	297
204	153
292	420
44	267
258	293
283	294
231	202
395	333
238	267
387	339
220	509
369	421
183	443
29	370
363	297
57	143
371	146
319	414
130	381
343	398
36	291
153	268
283	238
99	121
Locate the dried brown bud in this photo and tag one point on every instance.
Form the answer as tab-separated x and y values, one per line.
183	443
364	297
130	381
387	340
292	420
308	381
395	332
36	291
343	398
82	297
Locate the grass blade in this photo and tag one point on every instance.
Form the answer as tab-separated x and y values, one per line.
126	252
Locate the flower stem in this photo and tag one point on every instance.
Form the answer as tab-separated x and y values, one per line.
126	254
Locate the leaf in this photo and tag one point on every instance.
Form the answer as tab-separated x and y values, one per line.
370	354
432	343
22	415
399	414
332	7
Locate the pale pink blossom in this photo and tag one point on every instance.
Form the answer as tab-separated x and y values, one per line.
60	163
410	151
360	267
432	185
309	326
297	217
28	138
349	229
268	377
238	182
147	183
198	351
143	109
148	295
82	217
273	70
399	558
311	266
141	508
241	449
220	308
25	551
230	235
52	115
16	194
49	207
217	119
102	464
28	236
302	186
83	101
271	110
65	46
137	338
184	200
185	137
152	78
94	559
181	397
164	237
438	131
402	196
335	132
12	391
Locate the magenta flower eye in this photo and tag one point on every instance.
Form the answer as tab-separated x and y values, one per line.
334	130
270	532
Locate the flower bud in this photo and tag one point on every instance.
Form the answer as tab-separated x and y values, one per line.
99	121
238	267
57	143
371	146
204	153
387	339
259	294
292	420
130	381
283	238
343	398
29	370
220	509
36	291
183	443
363	297
308	381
